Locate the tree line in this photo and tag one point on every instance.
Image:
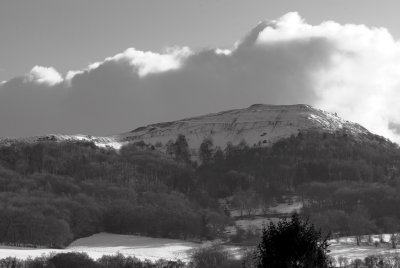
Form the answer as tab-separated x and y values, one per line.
348	185
54	192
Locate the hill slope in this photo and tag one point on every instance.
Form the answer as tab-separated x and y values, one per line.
257	124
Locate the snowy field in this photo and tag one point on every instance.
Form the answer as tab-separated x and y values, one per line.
352	251
109	244
157	248
347	247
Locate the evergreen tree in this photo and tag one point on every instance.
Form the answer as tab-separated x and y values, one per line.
292	244
206	150
181	148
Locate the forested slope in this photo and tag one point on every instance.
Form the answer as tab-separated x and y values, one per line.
54	192
348	186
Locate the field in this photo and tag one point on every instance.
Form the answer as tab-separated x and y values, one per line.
157	248
346	247
108	244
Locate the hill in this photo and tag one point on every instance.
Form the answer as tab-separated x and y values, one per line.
56	188
258	124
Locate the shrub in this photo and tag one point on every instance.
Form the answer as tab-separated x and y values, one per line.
72	260
213	256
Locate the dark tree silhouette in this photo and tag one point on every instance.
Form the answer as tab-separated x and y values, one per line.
181	149
72	260
206	150
292	244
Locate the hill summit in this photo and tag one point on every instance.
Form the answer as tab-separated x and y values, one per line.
259	124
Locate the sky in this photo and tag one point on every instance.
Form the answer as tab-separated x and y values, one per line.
104	67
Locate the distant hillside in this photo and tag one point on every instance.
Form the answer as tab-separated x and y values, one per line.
258	124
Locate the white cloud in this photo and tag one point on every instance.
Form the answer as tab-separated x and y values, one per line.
145	62
225	52
44	75
362	81
149	62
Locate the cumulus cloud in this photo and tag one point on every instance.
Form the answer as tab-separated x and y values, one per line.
350	69
143	62
44	75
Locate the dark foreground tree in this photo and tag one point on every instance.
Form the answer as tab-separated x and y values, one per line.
72	260
292	244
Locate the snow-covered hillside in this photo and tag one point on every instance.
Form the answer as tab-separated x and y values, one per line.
257	124
99	141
